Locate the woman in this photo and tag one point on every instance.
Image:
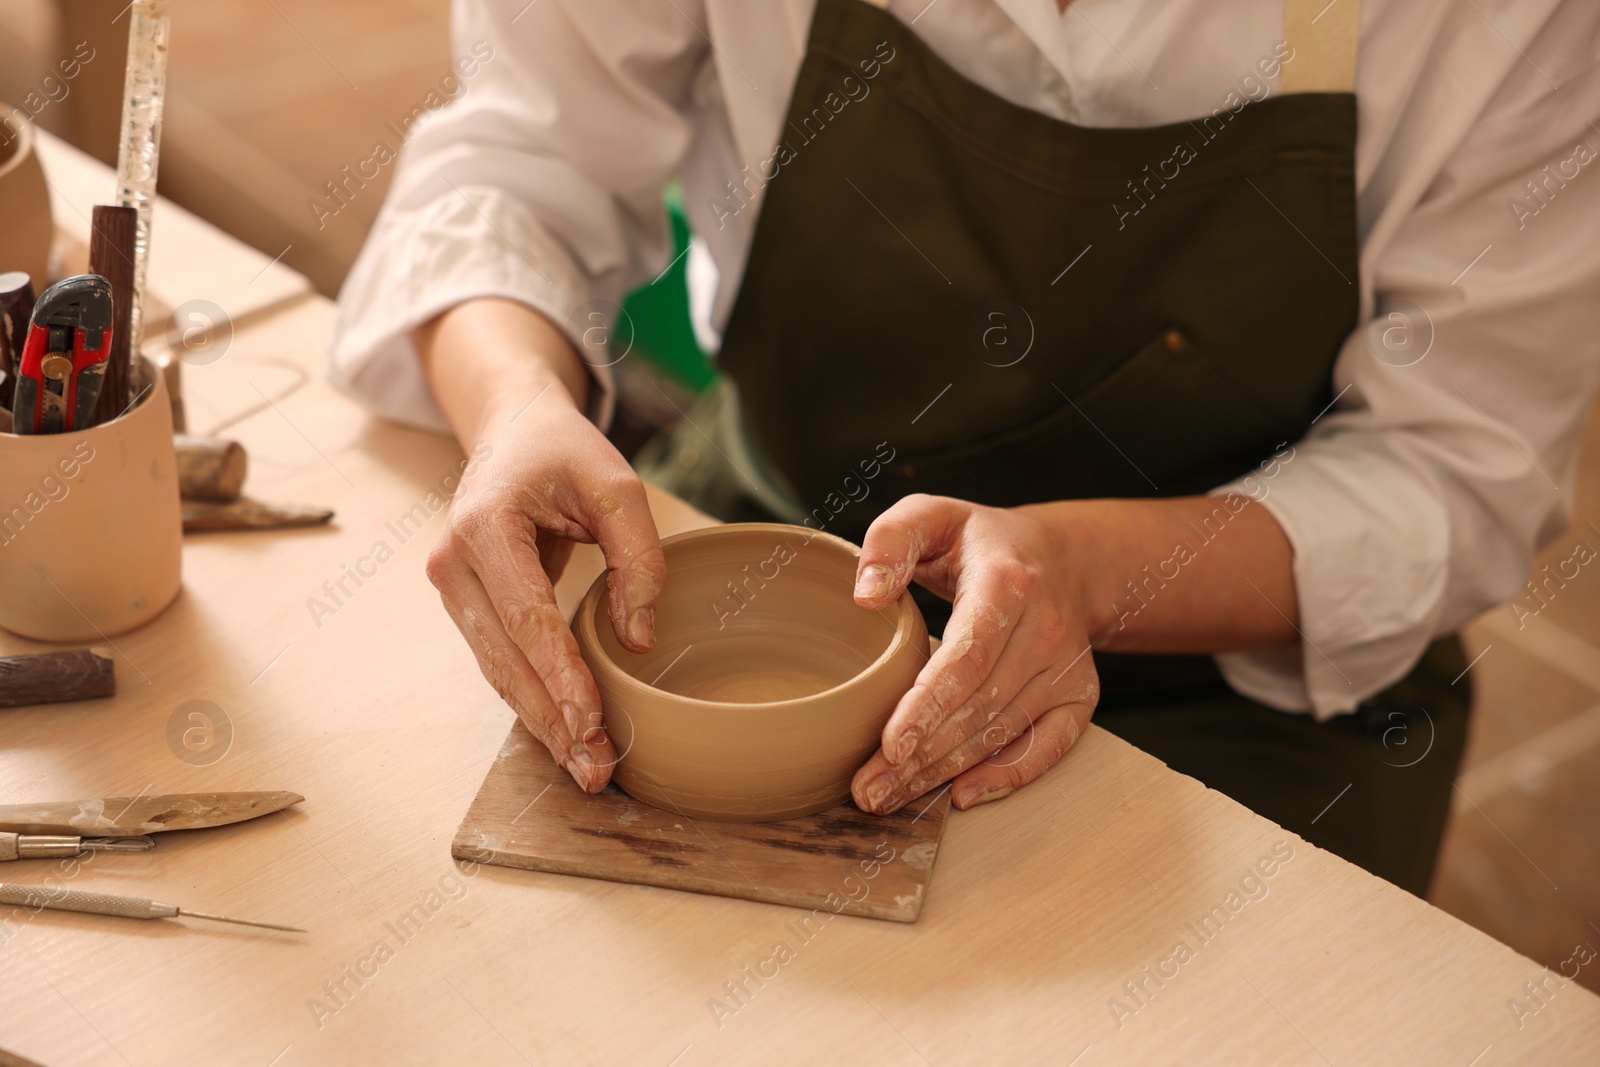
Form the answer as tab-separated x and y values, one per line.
1212	409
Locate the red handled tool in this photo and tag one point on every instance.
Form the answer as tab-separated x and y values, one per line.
64	360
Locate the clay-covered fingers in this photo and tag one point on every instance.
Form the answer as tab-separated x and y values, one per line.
617	515
1023	760
498	541
1037	639
502	662
555	552
919	775
989	602
880	780
1012	670
914	529
1046	664
1070	693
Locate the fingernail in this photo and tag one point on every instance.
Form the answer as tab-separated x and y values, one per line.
642	626
873	582
591	773
573	717
581	767
974	795
906	746
879	789
574	768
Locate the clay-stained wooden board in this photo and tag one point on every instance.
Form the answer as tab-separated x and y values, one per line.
530	814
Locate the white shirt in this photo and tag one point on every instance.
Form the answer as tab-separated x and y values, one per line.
1412	506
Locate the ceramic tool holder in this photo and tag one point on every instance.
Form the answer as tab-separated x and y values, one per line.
90	525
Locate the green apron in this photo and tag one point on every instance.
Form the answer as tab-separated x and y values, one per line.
949	293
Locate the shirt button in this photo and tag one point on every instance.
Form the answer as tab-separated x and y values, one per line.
1063	95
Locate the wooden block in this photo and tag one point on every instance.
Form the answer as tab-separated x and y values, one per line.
530	814
210	468
52	677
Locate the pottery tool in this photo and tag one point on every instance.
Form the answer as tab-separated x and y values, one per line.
129	816
51	846
64	359
531	815
211	473
112	239
210	468
144	93
32	896
16	309
201	516
55	677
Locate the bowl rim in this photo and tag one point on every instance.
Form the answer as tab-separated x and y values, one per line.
584	623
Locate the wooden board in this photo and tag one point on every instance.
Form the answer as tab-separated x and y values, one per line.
530	814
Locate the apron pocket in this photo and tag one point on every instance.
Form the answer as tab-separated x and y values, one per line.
1167	421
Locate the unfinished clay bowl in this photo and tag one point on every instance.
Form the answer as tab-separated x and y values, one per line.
767	687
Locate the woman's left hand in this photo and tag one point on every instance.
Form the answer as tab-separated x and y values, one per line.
1013	685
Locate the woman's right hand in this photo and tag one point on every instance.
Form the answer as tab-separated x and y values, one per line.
546	477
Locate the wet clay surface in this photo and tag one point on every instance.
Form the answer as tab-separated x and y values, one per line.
767	686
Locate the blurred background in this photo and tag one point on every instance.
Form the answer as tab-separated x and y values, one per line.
267	101
270	99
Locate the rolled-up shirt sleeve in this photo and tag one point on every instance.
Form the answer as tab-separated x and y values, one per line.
508	191
1418	501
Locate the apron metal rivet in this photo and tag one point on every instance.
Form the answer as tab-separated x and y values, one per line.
1173	341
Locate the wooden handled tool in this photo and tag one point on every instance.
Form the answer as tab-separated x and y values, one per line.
112	236
32	896
51	677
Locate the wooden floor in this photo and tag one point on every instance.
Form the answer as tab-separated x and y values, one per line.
270	101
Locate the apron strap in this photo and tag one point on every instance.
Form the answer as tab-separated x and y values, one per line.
1323	37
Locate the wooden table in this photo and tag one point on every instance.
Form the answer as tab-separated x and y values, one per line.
1043	909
